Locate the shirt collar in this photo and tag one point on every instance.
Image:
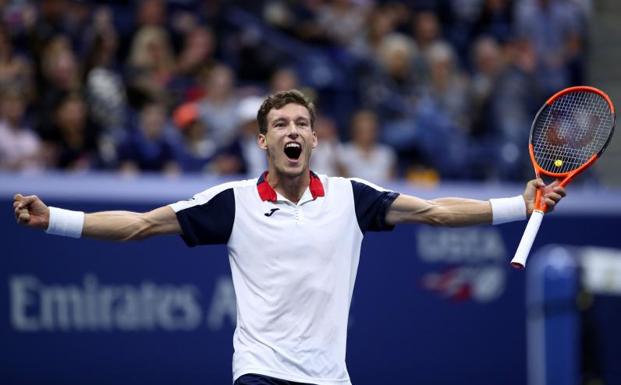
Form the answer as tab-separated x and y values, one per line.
267	193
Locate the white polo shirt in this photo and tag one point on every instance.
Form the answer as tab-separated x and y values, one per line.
293	267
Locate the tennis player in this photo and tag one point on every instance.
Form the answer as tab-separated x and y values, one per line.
293	240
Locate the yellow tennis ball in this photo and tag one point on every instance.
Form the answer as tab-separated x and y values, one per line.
558	163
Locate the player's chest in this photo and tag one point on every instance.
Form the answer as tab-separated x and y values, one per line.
279	225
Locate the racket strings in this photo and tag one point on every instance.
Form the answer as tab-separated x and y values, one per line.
571	130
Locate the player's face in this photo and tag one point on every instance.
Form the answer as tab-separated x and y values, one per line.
289	140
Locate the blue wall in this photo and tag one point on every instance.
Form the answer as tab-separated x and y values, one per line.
433	305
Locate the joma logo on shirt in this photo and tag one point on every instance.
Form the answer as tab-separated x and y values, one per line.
272	211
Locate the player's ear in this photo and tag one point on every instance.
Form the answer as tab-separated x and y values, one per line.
262	141
315	140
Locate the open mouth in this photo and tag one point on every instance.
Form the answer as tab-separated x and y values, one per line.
293	150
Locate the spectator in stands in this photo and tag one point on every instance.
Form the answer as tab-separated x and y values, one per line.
60	67
243	156
555	30
151	66
147	147
197	54
218	107
103	81
381	23
20	148
495	20
284	79
457	24
391	85
60	75
77	21
342	21
151	13
363	156
488	64
517	98
20	19
427	30
42	22
102	28
74	137
446	86
327	156
443	115
15	69
391	91
196	150
287	78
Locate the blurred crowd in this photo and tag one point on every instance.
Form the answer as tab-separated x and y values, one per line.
421	89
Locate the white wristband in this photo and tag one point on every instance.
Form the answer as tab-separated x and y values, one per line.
508	209
67	223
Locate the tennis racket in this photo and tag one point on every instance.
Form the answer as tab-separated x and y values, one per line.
569	133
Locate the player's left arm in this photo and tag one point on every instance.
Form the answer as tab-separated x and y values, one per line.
456	212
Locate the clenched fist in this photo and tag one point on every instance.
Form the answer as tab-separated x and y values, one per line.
31	211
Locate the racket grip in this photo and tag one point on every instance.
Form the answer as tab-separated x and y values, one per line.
530	233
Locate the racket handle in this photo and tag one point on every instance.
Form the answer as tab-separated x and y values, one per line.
521	254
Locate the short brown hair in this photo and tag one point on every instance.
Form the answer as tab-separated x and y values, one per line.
278	101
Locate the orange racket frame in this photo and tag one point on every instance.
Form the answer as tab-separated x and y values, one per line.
519	260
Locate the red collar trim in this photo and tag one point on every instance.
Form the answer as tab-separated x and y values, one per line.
267	193
316	187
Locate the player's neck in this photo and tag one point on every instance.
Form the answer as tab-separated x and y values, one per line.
291	187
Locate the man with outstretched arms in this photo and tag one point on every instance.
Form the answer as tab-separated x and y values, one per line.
293	240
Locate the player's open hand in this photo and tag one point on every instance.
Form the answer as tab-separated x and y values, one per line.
31	211
552	194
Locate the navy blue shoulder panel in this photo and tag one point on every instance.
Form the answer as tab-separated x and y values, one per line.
371	206
210	223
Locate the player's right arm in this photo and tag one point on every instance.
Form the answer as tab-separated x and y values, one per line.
108	225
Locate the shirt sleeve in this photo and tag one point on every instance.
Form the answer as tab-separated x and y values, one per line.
207	218
372	202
